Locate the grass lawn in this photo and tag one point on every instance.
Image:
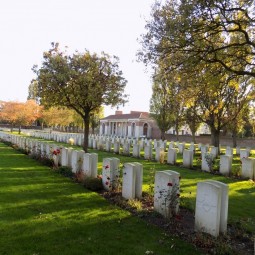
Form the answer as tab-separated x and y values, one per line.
241	192
42	212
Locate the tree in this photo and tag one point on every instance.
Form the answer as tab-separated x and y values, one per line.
221	97
55	116
95	118
33	91
191	117
17	113
160	107
198	31
82	82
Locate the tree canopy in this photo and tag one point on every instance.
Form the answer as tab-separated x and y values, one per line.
189	32
18	114
82	81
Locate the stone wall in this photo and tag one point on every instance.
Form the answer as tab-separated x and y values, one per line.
224	140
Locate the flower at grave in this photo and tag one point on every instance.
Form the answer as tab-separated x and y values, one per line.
106	167
178	217
71	141
56	152
170	184
106	183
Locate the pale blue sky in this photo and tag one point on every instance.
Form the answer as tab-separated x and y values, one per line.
28	27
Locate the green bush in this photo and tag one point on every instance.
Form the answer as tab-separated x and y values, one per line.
66	171
94	184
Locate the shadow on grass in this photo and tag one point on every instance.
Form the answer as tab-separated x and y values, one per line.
44	213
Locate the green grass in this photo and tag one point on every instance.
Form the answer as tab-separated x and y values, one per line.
42	212
241	192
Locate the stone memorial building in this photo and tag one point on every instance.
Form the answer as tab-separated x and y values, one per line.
134	125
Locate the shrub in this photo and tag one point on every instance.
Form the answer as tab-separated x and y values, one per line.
66	171
94	184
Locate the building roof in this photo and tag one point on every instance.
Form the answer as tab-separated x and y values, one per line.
131	115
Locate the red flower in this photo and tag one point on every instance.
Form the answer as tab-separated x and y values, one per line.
106	183
58	151
107	166
178	217
54	152
169	184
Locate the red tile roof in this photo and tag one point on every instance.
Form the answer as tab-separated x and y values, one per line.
131	115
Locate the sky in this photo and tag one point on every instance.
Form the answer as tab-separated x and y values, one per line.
28	27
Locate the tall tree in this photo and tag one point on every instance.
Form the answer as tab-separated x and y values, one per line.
82	82
160	106
221	97
191	117
212	31
33	91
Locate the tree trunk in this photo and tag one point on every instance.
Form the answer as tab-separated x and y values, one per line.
163	135
194	137
234	134
86	132
215	137
177	131
19	129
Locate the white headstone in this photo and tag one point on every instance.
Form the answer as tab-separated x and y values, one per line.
207	161
116	147
87	164
160	154
110	173
166	194
75	161
129	178
148	152
64	157
225	164
229	151
248	165
188	158
136	150
138	179
244	153
126	149
181	147
172	156
208	208
94	171
224	205
214	152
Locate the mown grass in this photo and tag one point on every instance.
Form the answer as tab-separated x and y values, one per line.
241	192
42	212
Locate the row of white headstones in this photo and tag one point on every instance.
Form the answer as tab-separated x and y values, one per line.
113	144
211	199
